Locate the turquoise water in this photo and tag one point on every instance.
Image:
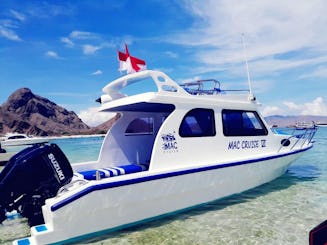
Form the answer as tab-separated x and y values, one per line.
280	212
80	149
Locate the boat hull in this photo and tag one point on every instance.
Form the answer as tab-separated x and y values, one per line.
128	201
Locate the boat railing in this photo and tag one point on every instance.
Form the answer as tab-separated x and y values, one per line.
207	87
116	89
72	185
302	138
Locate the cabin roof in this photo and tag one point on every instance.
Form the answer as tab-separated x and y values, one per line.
168	94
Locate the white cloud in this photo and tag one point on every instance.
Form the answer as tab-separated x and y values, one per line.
9	34
272	110
320	72
317	107
52	54
171	54
67	41
8	26
82	35
93	117
17	15
44	9
77	35
89	49
188	80
97	72
79	38
274	30
291	105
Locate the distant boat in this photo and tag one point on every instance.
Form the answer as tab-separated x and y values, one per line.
321	124
304	125
18	139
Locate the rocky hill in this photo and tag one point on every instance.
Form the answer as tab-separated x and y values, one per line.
26	112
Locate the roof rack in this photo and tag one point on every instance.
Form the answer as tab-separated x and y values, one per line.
207	87
200	87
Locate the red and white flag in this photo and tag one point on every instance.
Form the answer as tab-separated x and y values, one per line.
129	63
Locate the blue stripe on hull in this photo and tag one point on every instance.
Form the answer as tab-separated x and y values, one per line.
162	176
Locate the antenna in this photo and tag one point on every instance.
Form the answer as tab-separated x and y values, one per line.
246	64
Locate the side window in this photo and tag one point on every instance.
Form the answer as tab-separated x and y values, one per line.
198	123
138	126
242	123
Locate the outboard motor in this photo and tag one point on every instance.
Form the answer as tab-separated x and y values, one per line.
30	177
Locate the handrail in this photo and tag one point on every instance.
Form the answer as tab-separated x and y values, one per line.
163	82
303	139
66	188
198	87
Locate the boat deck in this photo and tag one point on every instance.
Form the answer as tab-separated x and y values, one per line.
97	174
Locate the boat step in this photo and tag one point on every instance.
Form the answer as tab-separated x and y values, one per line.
112	171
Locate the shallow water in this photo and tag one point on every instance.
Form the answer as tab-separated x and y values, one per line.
280	212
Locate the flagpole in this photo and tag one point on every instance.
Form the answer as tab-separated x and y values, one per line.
246	64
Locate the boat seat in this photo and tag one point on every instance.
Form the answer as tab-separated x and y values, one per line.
112	171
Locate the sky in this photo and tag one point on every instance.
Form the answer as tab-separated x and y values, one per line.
66	51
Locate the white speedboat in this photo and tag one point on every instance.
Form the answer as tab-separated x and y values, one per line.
304	125
172	149
321	124
18	139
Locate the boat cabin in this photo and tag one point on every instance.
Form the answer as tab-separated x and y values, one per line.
179	126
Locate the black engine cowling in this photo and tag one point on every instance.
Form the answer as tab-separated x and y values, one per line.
30	177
